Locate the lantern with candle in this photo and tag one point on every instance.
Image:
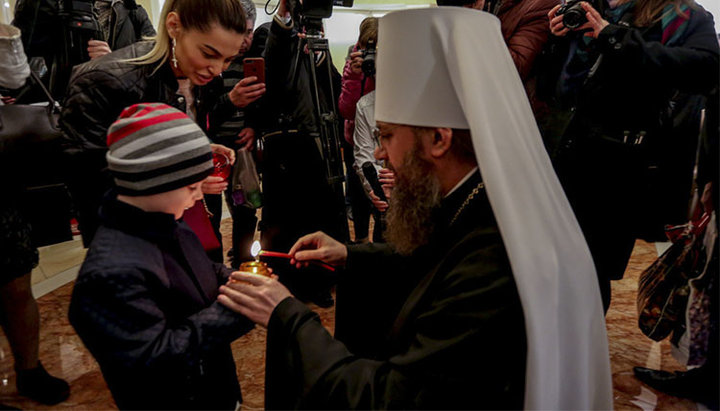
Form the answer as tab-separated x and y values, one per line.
255	266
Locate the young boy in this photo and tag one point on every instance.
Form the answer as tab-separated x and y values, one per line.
144	302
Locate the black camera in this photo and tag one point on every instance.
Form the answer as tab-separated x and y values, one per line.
368	55
314	11
573	14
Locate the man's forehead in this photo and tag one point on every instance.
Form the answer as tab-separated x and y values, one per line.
383	125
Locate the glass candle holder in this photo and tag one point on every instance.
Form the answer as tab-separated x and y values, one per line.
222	165
255	267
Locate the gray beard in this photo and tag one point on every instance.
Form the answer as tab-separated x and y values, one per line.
416	196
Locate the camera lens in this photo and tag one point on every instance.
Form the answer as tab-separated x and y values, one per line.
574	18
368	65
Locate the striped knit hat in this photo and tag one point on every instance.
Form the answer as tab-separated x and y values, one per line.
154	148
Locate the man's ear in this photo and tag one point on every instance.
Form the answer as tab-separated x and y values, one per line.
441	142
173	25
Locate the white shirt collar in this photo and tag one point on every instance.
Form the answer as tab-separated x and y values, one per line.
464	179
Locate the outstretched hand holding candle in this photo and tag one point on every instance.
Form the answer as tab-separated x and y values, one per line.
318	246
256	295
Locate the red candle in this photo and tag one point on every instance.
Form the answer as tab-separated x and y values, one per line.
264	253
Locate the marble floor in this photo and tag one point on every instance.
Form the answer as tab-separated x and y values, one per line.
64	355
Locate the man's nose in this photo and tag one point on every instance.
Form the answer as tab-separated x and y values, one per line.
380	153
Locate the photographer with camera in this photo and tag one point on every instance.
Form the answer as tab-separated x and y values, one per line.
358	80
302	168
623	64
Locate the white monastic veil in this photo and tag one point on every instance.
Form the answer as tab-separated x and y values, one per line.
450	67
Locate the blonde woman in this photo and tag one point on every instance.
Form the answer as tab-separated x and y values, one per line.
196	41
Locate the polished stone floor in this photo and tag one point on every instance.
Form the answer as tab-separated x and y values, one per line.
64	355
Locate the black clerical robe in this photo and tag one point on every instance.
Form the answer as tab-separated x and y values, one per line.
441	329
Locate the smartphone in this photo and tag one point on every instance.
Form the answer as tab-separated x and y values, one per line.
254	66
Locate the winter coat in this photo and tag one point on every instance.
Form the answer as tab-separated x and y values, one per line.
145	305
525	28
129	23
100	89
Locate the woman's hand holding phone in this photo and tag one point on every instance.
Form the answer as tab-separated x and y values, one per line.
246	91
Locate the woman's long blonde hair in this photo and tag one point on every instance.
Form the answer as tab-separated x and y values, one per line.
194	14
648	12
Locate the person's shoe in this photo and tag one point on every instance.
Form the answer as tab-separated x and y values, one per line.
691	384
42	387
662	380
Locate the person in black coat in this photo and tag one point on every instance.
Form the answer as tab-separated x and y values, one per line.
123	22
49	34
616	84
144	301
298	197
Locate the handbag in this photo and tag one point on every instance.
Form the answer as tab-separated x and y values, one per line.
663	288
31	140
246	190
30	158
199	221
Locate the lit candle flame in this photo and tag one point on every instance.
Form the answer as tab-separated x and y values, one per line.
255	249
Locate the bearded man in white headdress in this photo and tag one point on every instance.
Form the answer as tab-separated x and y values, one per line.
485	296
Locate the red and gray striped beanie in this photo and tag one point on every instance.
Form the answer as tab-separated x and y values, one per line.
154	148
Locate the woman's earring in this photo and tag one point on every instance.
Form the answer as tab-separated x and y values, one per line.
174	59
